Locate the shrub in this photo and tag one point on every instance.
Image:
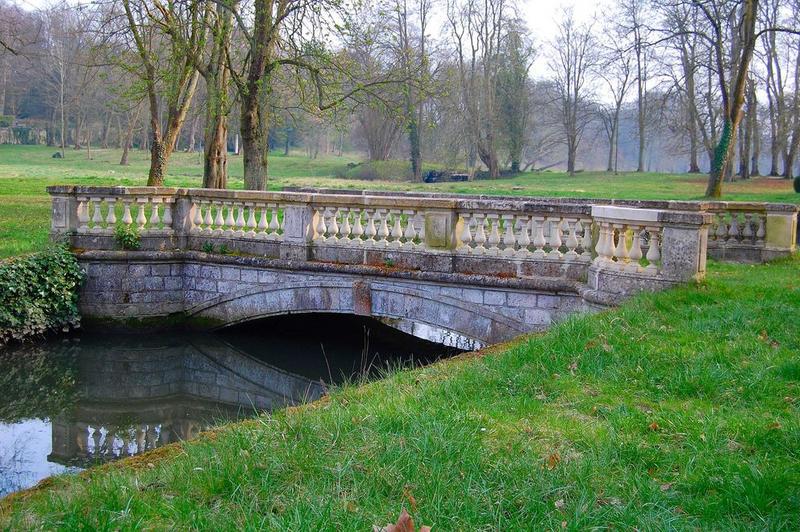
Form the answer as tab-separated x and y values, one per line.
127	237
38	294
797	184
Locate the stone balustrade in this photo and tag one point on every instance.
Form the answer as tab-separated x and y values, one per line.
614	248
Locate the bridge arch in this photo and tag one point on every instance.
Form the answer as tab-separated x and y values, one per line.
412	309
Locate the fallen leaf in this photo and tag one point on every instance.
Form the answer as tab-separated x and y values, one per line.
666	486
653	426
404	524
553	460
775	426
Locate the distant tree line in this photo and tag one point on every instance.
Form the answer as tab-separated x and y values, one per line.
676	85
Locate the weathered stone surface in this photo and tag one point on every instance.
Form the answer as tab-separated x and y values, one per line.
230	291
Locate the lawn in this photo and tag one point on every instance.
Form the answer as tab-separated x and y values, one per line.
25	171
679	410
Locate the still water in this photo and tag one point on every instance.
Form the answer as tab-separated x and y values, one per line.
73	402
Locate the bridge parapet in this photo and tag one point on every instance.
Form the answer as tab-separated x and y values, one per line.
617	250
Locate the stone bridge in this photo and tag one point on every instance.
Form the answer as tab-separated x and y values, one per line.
466	271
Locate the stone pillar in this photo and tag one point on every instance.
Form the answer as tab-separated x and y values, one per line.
440	229
64	213
684	244
182	215
298	231
781	234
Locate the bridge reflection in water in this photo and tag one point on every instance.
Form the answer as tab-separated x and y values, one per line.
125	394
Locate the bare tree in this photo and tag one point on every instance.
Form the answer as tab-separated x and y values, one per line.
478	28
178	31
617	72
573	57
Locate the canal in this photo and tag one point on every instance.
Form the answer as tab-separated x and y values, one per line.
72	402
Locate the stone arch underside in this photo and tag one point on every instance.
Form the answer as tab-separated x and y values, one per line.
411	309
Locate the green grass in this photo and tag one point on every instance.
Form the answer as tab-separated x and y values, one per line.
680	410
25	171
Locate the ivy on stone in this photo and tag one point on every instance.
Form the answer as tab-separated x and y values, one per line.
39	294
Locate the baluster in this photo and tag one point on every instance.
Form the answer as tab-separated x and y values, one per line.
358	229
126	211
747	230
733	231
762	231
524	238
345	229
604	244
410	233
465	236
333	226
572	240
493	241
251	219
219	221
83	215
97	215
263	226
240	219
155	218
383	231
197	219
586	240
555	237
538	237
653	251
371	232
419	221
320	228
636	250
722	227
621	251
208	222
480	233
141	219
167	219
111	219
509	238
274	223
229	219
397	229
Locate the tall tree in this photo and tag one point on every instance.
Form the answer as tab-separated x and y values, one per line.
572	59
478	29
513	94
166	39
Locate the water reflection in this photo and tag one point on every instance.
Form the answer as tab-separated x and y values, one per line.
69	404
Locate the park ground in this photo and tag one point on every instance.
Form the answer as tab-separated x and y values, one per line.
25	171
679	410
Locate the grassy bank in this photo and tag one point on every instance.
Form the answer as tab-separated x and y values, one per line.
679	410
25	171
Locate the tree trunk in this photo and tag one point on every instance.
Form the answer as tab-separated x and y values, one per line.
190	148
132	120
106	131
255	154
